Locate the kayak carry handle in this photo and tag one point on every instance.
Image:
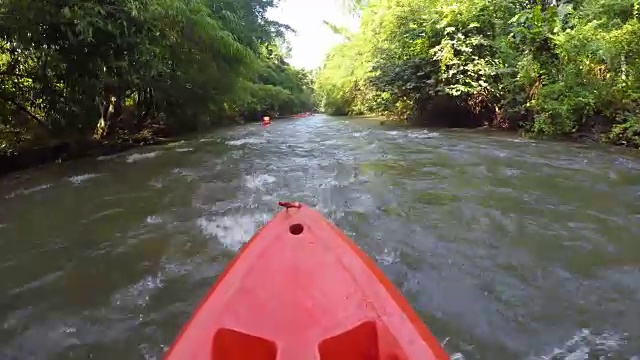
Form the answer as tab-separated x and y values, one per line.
289	204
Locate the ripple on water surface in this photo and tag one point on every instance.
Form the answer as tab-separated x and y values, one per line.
27	191
82	178
142	156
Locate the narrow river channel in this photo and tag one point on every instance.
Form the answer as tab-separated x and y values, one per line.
509	248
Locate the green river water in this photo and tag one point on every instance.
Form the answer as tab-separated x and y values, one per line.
509	248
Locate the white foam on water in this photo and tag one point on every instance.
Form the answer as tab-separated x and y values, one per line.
107	157
146	351
177	143
388	257
512	172
423	135
587	345
136	157
328	209
80	178
27	191
246	141
156	183
361	133
328	142
520	140
258	181
153	220
234	230
184	149
139	293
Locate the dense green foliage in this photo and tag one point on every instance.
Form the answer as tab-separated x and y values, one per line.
74	69
547	68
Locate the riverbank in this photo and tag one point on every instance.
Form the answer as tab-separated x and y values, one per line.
67	150
61	151
592	132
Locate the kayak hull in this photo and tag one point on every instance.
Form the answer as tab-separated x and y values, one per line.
301	289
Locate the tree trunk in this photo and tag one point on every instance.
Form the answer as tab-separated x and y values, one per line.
105	106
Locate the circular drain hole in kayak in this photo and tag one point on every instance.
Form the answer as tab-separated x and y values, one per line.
296	229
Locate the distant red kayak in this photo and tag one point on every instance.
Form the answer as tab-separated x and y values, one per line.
301	289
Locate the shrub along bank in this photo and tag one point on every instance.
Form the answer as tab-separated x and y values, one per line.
547	68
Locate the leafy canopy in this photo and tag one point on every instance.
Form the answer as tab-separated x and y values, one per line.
73	69
546	67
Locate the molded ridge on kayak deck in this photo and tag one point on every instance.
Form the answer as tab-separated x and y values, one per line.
301	289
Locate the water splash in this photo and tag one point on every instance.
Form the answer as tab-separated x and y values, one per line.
521	140
361	133
587	345
108	157
136	157
388	257
423	135
152	220
174	144
246	141
81	178
139	293
512	172
258	181
27	191
184	149
156	183
234	230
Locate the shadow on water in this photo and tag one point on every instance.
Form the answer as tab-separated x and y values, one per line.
509	248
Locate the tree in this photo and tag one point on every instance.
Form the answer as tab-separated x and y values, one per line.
78	69
545	67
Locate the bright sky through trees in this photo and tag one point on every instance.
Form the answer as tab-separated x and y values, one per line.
313	38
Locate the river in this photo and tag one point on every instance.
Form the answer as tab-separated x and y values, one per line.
509	248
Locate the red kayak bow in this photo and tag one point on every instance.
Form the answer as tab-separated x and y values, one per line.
301	289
